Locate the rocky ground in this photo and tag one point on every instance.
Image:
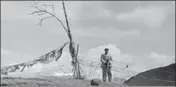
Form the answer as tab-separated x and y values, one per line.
50	82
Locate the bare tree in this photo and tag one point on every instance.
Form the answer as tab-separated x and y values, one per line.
73	52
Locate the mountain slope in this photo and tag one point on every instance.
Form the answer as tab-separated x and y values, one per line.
163	76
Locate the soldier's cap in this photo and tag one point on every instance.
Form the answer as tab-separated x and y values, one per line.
106	49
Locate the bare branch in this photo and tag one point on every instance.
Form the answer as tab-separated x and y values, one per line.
45	6
35	3
36	7
35	12
41	20
58	20
41	12
53	9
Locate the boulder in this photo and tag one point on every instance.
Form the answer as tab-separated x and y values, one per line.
95	82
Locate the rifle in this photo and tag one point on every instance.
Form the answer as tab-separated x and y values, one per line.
107	66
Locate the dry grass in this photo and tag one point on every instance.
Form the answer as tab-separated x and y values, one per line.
50	82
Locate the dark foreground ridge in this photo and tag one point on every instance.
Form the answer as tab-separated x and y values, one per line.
163	76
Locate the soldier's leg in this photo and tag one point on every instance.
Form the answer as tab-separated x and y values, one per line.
104	74
109	74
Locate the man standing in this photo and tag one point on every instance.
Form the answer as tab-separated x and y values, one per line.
106	65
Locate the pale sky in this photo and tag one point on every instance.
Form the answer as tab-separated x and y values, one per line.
139	29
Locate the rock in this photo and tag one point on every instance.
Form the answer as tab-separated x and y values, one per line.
95	82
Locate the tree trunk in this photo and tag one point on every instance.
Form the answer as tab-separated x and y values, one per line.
77	64
73	52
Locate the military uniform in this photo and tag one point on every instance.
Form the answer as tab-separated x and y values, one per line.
106	67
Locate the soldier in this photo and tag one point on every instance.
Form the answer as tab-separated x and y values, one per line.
106	65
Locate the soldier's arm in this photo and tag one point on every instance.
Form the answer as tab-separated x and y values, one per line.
101	59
